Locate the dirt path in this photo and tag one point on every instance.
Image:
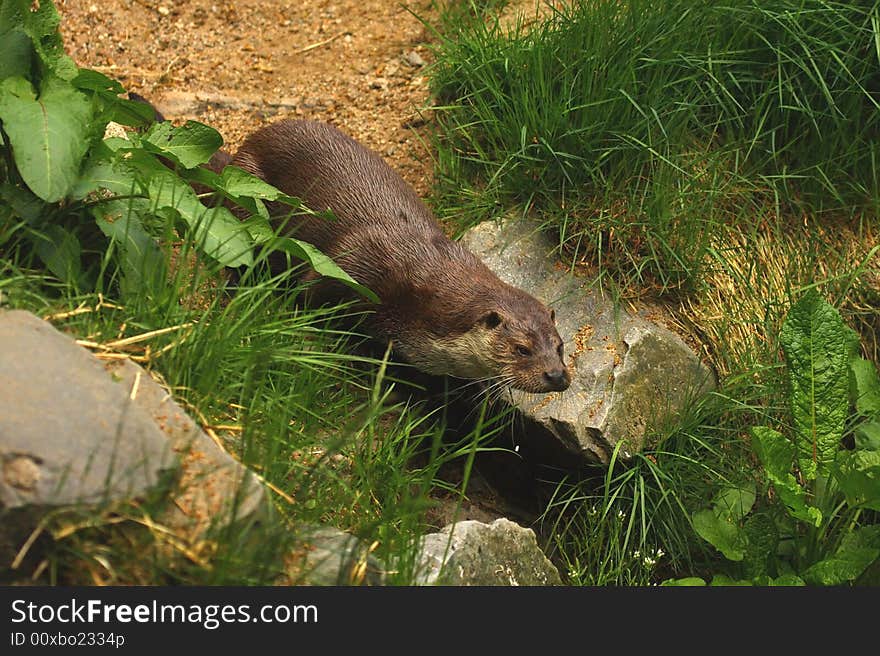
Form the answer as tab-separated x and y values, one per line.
238	65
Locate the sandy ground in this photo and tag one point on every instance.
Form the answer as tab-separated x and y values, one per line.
358	64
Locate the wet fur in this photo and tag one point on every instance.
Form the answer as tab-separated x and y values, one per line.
443	309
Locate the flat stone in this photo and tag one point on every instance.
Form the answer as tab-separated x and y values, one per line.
76	431
473	553
69	433
630	375
328	556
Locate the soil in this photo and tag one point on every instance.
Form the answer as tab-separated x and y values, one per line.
236	66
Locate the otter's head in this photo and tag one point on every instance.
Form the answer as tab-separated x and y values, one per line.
526	349
511	341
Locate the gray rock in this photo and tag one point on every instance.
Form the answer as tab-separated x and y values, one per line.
630	375
69	434
328	556
75	431
474	553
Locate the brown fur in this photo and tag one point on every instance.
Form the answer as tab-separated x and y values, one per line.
442	308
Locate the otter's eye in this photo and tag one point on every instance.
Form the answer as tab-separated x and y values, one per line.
523	351
559	350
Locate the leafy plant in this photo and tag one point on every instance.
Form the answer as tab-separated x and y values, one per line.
824	471
73	191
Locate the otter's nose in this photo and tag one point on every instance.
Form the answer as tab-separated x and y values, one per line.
557	380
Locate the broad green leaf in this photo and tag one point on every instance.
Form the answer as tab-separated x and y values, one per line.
858	550
817	346
49	134
720	526
201	175
115	144
40	22
60	251
260	229
109	174
790	580
114	210
690	581
237	182
132	113
143	262
322	264
840	569
865	387
870	577
120	110
146	164
15	55
243	188
776	454
207	178
215	230
858	475
762	537
254	206
91	80
867	436
12	14
24	203
249	191
722	533
189	145
735	502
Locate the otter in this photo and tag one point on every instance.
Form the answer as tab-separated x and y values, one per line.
443	310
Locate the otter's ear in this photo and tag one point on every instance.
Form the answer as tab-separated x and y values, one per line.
491	319
552	314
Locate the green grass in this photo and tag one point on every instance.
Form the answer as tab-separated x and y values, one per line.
637	129
629	523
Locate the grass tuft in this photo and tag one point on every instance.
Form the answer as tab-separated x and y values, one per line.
641	130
